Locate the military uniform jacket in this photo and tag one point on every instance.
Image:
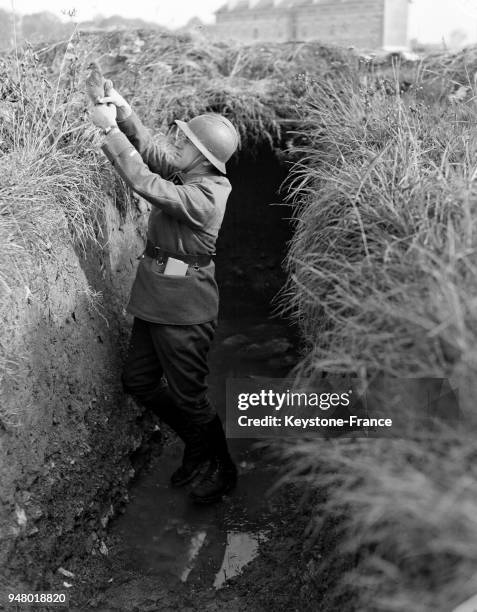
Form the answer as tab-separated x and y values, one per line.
185	218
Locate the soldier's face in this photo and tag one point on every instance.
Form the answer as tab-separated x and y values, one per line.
185	152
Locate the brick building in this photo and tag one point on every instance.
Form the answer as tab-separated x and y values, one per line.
366	24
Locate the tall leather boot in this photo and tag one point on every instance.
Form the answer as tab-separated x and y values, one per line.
195	458
196	454
221	476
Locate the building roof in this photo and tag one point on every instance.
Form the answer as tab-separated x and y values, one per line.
241	5
237	5
261	4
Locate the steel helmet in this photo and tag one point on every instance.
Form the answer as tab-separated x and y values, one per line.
214	136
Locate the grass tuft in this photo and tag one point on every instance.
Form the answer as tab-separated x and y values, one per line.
383	283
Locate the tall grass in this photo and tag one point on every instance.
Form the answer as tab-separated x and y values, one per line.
52	181
383	264
403	519
383	282
48	160
168	77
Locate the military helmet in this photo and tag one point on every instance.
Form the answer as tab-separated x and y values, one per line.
214	136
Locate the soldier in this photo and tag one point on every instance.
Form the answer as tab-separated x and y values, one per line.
174	298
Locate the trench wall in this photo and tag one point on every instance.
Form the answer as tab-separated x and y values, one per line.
67	431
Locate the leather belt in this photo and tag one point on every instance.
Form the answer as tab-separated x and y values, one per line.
156	252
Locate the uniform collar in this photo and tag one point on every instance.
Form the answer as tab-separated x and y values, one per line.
196	168
180	176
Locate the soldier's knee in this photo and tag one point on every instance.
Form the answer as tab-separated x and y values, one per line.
139	387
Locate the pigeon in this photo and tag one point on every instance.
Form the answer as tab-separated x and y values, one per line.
95	82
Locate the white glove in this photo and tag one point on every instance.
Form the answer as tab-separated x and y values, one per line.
103	116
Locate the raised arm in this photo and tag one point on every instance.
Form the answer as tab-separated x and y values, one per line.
130	124
193	204
141	139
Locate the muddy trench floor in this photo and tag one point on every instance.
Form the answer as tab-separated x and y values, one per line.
162	552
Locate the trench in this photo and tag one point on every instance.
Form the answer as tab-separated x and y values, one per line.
161	536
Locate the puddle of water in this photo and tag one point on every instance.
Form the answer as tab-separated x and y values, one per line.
241	548
195	545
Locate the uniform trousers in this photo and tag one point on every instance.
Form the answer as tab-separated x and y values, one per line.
177	353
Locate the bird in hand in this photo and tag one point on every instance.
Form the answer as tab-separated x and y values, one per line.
95	82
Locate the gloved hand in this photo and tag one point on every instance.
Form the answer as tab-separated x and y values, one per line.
113	97
104	116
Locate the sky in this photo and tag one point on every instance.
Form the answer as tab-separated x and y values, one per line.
430	20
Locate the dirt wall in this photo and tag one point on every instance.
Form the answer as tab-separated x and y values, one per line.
67	431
